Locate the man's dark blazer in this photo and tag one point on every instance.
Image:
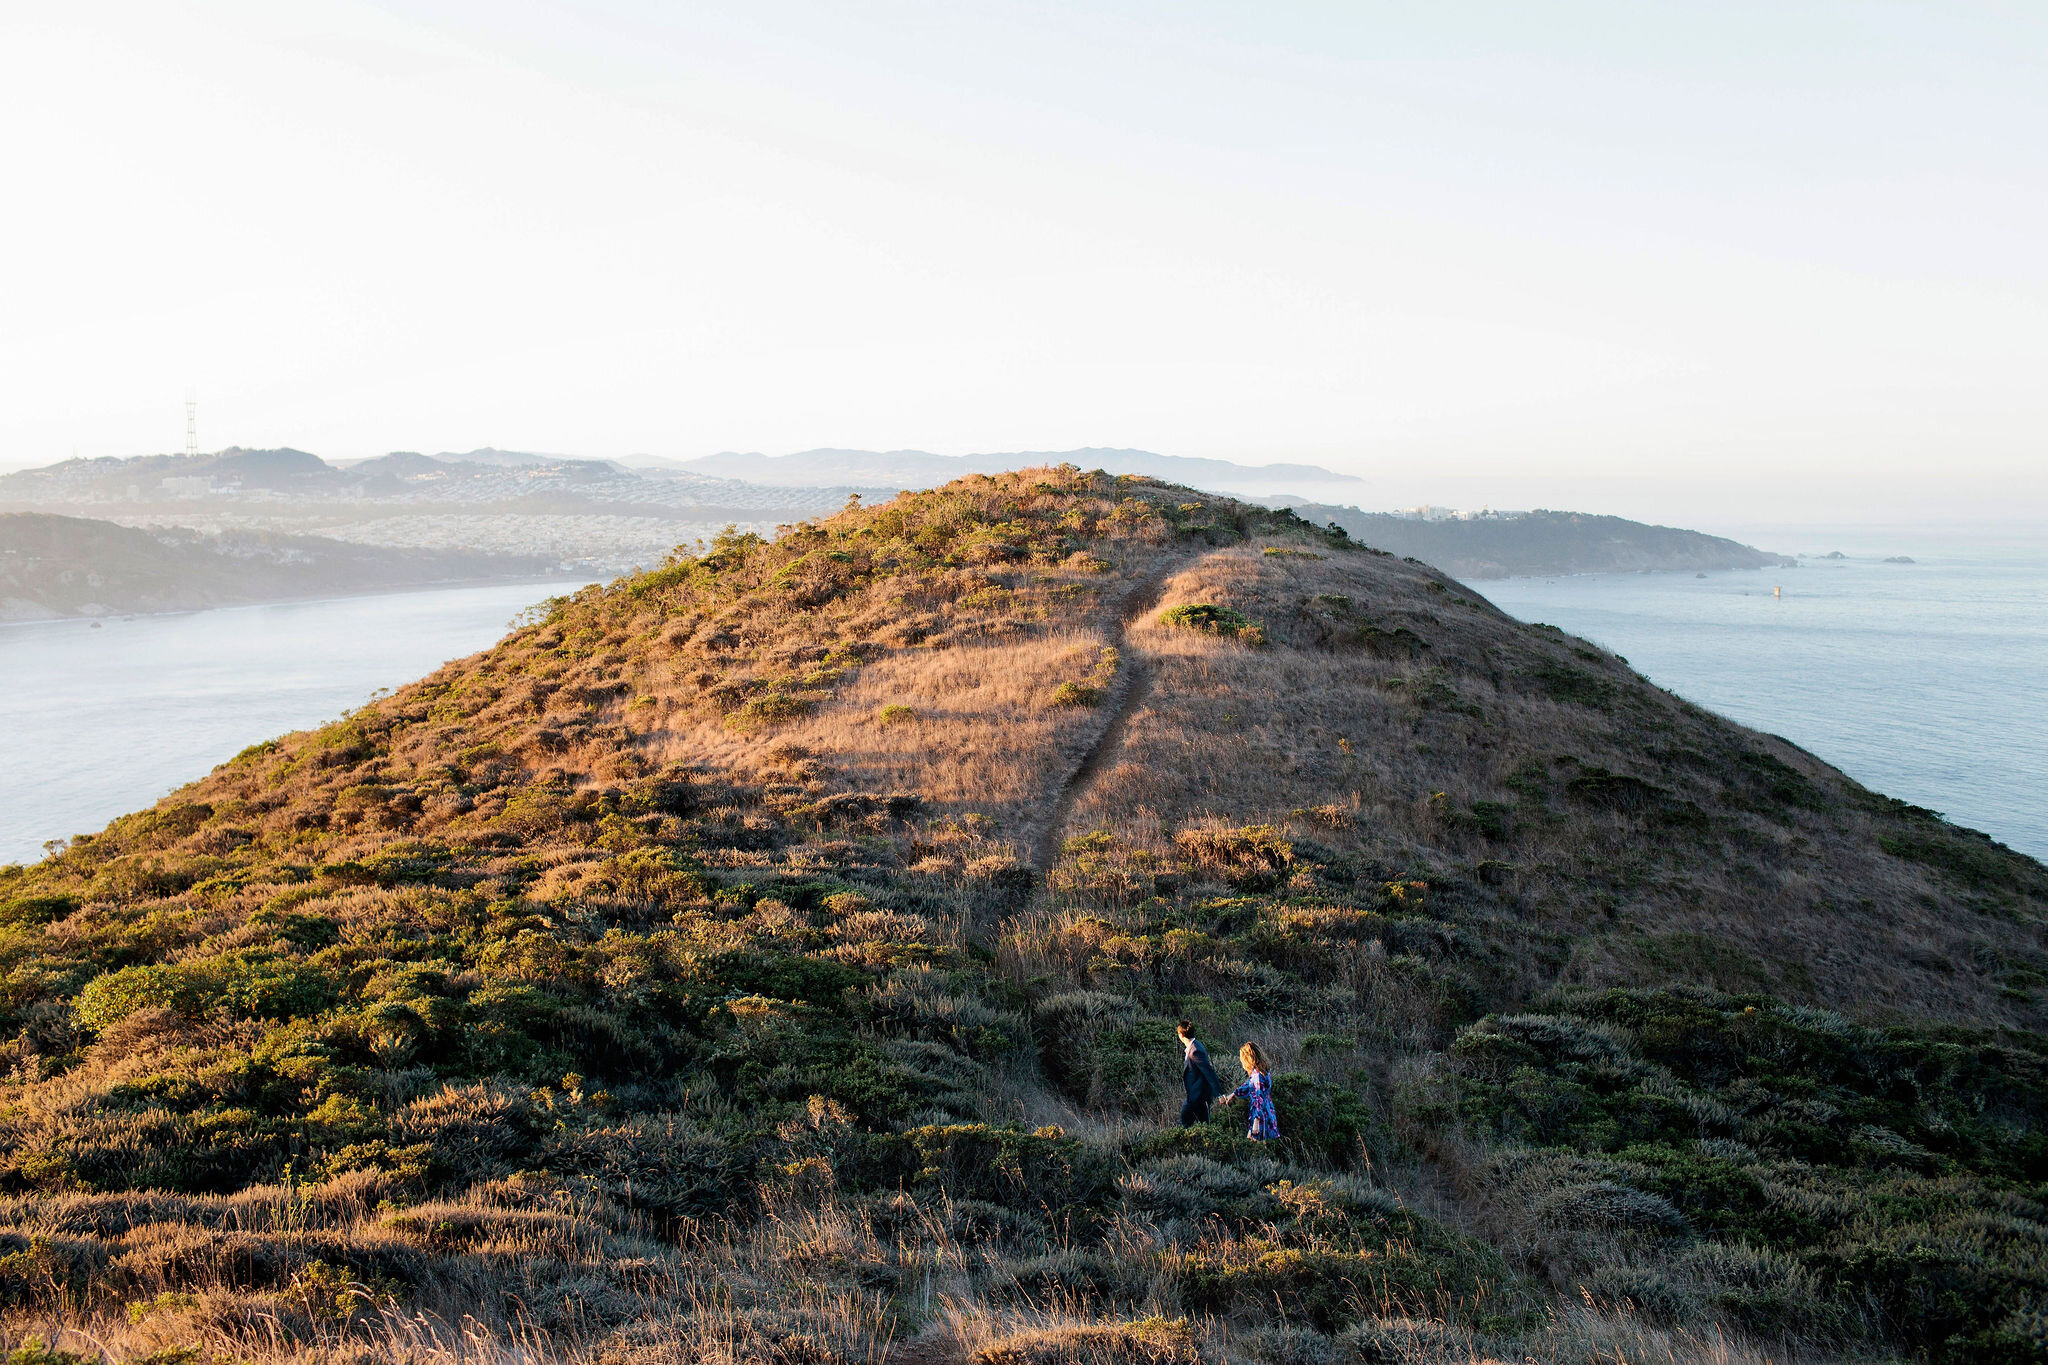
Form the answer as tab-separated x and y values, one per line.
1200	1078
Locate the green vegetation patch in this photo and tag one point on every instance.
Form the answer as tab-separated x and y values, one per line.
1565	682
29	912
1075	694
1864	1168
1210	619
1971	858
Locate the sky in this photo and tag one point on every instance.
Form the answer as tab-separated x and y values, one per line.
1682	261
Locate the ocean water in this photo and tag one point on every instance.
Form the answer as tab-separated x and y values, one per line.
1926	681
95	723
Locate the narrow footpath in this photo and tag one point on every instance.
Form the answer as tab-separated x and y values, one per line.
1133	680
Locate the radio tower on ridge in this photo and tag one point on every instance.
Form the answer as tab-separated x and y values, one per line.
191	424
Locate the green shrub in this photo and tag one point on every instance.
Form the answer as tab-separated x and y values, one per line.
29	912
338	1293
1616	791
1101	1049
1492	818
1250	858
1000	1164
35	1350
770	708
1323	1124
896	715
1076	694
1210	619
1420	1268
1563	682
1221	1141
107	1000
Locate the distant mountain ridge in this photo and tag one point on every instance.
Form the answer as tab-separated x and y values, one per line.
145	478
595	513
610	515
920	468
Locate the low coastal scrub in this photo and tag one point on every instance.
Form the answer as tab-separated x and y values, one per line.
1709	1157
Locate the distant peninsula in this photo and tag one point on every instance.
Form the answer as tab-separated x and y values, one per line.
53	567
1513	544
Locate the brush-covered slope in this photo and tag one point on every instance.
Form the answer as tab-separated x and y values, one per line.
773	957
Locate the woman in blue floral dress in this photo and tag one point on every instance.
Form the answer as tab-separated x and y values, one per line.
1257	1088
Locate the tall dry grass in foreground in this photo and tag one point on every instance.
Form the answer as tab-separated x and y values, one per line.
244	1278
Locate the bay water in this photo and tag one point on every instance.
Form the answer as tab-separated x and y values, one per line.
99	720
1927	681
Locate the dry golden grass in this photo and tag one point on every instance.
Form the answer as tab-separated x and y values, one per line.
1794	900
983	736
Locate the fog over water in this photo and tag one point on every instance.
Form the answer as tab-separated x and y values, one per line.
95	723
1923	681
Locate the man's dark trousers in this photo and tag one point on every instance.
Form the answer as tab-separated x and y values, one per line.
1202	1085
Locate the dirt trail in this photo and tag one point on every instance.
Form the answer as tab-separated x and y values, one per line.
943	1349
1133	680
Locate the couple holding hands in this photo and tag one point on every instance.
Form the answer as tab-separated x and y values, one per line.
1203	1086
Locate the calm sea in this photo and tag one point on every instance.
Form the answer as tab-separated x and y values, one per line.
98	722
1926	681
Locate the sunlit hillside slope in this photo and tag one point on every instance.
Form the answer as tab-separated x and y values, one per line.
775	956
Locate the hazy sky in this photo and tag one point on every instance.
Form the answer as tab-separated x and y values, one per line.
1677	260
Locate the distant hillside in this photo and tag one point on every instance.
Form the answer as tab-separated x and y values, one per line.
607	516
594	514
774	957
920	469
52	566
1540	543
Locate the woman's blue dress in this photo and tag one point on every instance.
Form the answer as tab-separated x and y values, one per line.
1258	1088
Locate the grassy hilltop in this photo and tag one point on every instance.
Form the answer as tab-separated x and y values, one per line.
773	957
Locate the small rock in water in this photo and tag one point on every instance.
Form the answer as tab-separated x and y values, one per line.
1899	559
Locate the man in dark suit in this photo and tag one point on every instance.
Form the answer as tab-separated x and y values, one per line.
1198	1077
